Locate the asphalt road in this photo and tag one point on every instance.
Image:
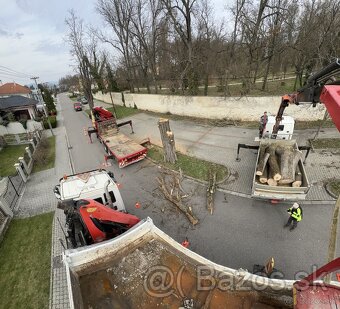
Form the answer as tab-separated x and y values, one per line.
241	232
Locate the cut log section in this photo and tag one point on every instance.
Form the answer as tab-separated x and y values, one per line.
263	158
298	178
264	177
274	169
271	181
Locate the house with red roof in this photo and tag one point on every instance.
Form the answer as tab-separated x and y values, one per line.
10	89
18	100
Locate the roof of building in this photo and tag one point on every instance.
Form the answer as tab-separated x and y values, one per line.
13	88
16	101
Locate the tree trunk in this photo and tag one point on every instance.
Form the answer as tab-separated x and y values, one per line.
263	158
298	178
271	181
264	177
113	106
273	163
168	140
211	191
289	160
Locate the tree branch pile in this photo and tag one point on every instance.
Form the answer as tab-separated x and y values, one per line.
173	191
278	165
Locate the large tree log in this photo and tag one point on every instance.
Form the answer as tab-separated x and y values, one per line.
271	181
289	159
264	177
263	158
168	140
298	178
176	200
211	191
273	163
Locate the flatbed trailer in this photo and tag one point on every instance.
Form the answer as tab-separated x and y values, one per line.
278	193
117	145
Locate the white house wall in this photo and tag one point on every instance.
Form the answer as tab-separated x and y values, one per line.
17	127
236	108
33	126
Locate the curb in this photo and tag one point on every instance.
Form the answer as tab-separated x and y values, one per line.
329	191
239	194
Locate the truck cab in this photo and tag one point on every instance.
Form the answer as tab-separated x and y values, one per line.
286	127
98	185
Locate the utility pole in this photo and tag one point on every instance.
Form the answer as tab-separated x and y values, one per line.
41	100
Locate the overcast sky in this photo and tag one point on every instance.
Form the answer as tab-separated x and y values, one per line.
32	37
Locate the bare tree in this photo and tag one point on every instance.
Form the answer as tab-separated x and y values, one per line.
206	43
181	14
79	50
118	15
146	27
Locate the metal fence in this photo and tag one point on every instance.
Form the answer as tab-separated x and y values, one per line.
13	189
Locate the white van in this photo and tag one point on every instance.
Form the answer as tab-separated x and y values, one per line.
98	185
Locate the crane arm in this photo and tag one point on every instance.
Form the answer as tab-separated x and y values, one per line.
320	87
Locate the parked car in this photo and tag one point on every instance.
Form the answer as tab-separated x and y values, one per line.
84	100
77	106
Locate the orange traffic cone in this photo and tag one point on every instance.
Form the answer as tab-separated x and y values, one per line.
185	243
137	205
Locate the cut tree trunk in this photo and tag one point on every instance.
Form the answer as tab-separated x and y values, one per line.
271	181
211	191
298	178
263	158
264	177
289	158
168	140
274	168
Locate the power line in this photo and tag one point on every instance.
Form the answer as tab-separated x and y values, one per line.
13	71
13	75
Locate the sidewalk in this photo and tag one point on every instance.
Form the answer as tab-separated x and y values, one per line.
37	198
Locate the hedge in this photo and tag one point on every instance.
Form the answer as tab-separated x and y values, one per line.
53	120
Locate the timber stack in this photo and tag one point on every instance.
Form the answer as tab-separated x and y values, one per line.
278	165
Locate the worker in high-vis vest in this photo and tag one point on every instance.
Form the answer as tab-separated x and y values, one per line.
295	216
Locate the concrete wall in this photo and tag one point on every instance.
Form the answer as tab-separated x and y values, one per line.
236	108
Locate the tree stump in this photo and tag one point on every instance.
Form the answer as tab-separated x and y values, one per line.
168	140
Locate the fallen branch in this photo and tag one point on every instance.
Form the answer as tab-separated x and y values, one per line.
174	197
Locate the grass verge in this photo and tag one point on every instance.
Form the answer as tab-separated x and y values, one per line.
44	156
8	156
190	166
25	260
326	143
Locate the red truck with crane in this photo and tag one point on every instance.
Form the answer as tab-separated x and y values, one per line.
117	145
321	87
